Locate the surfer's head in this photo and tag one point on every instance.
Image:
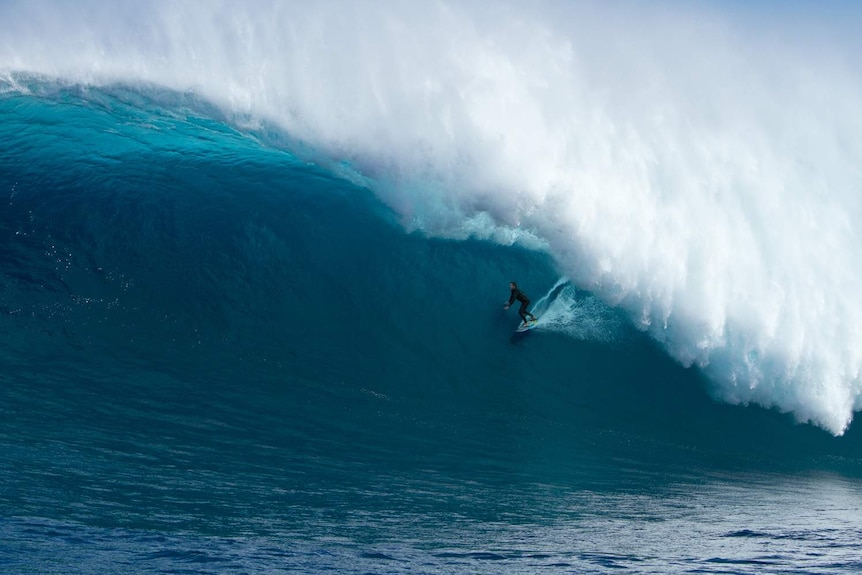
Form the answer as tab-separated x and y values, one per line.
513	285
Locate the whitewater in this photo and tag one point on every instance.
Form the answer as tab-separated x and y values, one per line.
695	166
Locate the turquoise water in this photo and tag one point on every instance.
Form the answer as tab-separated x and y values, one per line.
218	358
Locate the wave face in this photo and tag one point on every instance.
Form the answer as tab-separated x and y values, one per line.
697	170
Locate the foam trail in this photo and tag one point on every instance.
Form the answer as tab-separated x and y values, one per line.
580	316
696	167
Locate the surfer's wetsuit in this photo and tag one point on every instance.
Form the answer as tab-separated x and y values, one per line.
525	301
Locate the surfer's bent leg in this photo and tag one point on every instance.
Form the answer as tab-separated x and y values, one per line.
523	311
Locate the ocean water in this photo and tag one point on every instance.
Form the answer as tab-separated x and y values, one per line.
251	291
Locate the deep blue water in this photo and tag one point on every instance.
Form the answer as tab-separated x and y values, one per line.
217	358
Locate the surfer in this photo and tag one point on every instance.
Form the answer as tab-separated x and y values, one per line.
521	297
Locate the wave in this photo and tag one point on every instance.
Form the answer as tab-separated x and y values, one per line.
716	205
153	254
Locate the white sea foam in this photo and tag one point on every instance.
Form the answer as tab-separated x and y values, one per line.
694	166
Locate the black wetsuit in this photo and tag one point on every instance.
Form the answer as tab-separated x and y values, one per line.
525	301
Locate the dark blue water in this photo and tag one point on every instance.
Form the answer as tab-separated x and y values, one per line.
217	358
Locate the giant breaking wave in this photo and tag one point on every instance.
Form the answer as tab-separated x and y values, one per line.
695	167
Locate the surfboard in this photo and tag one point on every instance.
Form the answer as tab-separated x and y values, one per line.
522	327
